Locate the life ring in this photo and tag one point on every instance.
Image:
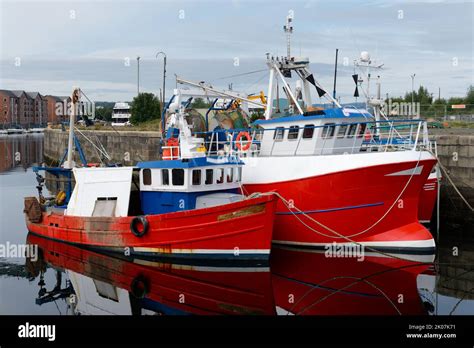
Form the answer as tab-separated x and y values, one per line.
367	135
139	226
139	287
239	144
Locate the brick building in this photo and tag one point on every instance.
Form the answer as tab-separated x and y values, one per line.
30	109
57	108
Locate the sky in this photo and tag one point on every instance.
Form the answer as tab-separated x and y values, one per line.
51	46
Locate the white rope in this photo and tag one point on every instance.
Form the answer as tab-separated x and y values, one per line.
445	171
337	234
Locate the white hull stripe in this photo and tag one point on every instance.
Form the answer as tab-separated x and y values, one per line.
408	172
273	169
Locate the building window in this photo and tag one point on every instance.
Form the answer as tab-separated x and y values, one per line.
293	132
352	130
146	176
178	177
308	131
279	133
209	176
165	177
220	176
361	131
328	130
341	133
230	174
197	177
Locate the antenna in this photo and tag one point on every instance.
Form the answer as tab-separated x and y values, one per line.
288	28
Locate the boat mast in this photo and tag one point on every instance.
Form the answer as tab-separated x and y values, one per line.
282	67
72	118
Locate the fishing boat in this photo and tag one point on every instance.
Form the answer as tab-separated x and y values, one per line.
191	207
343	174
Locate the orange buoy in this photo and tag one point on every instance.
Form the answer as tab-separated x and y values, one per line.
239	138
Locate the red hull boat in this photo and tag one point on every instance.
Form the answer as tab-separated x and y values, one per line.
428	199
241	230
366	204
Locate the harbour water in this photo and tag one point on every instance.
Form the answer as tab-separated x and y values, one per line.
61	279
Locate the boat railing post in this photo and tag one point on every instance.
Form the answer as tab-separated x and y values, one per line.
355	139
417	135
299	140
274	141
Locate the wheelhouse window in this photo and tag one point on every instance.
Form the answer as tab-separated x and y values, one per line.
165	177
352	130
196	177
209	176
341	132
308	131
328	130
146	176
361	131
178	177
279	133
239	174
293	132
230	174
220	176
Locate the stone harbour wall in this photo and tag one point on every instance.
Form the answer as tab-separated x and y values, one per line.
126	147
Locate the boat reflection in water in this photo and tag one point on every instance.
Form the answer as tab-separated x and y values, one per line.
300	283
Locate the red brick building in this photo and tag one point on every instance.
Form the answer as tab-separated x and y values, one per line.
57	108
31	109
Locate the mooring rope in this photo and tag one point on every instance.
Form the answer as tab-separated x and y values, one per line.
337	234
445	171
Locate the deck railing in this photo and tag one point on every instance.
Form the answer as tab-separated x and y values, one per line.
375	136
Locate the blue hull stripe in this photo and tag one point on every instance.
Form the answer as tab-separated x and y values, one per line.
329	210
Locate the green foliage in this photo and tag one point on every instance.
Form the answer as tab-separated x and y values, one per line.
145	107
199	103
104	113
456	100
421	96
470	95
256	116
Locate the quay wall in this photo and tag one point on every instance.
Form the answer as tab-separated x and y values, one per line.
126	147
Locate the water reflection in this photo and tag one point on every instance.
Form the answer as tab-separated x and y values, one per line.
20	151
299	282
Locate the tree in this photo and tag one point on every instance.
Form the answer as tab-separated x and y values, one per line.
421	96
199	103
104	113
456	100
145	107
470	95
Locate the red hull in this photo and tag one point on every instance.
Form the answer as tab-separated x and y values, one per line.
237	231
352	201
166	288
345	286
428	199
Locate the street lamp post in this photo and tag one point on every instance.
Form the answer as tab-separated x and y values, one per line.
412	90
163	100
138	75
